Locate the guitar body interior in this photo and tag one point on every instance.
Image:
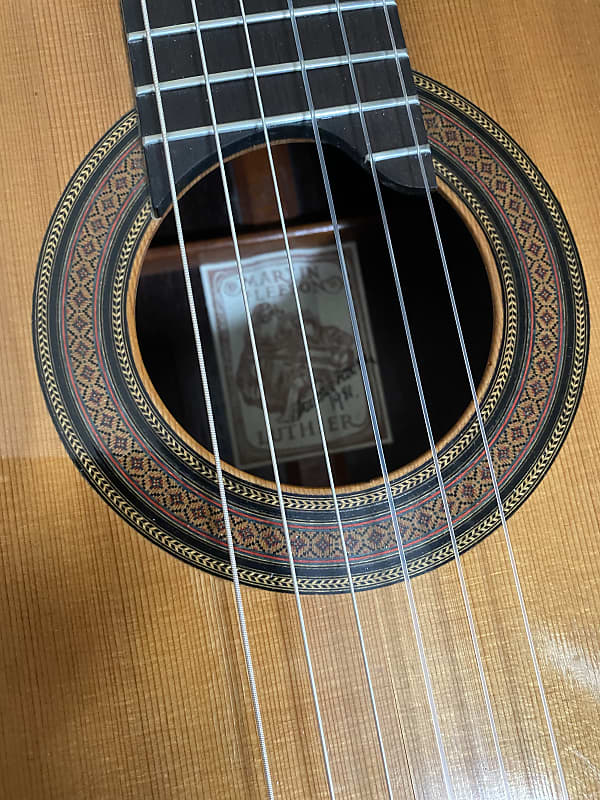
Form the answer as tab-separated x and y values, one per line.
122	667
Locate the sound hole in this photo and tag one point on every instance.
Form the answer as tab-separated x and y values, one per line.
167	344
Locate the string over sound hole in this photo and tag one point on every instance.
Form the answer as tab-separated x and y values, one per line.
166	340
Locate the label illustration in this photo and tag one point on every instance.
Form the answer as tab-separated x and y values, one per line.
282	356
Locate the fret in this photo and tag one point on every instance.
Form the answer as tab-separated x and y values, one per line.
283	120
271	69
283	97
400	152
259	17
178	58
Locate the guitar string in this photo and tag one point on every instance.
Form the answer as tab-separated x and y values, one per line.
317	404
241	616
423	404
488	455
372	414
263	401
480	422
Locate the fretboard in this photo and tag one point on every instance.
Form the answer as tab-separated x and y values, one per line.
182	84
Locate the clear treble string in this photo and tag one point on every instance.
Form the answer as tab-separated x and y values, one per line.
373	416
480	422
241	616
423	402
316	401
264	406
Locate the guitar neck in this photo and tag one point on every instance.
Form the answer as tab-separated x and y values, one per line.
376	49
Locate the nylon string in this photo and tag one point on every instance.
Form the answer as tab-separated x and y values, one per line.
209	412
231	549
263	400
425	411
480	422
317	405
373	416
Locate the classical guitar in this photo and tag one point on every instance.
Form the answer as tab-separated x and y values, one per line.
300	418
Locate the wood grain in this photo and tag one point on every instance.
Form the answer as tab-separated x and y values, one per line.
120	668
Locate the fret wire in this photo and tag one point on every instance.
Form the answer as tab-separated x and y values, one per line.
264	16
270	69
485	441
280	119
239	603
398	152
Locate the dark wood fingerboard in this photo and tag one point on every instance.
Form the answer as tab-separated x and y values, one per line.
184	95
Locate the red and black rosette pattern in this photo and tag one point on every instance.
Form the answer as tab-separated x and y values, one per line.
167	490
